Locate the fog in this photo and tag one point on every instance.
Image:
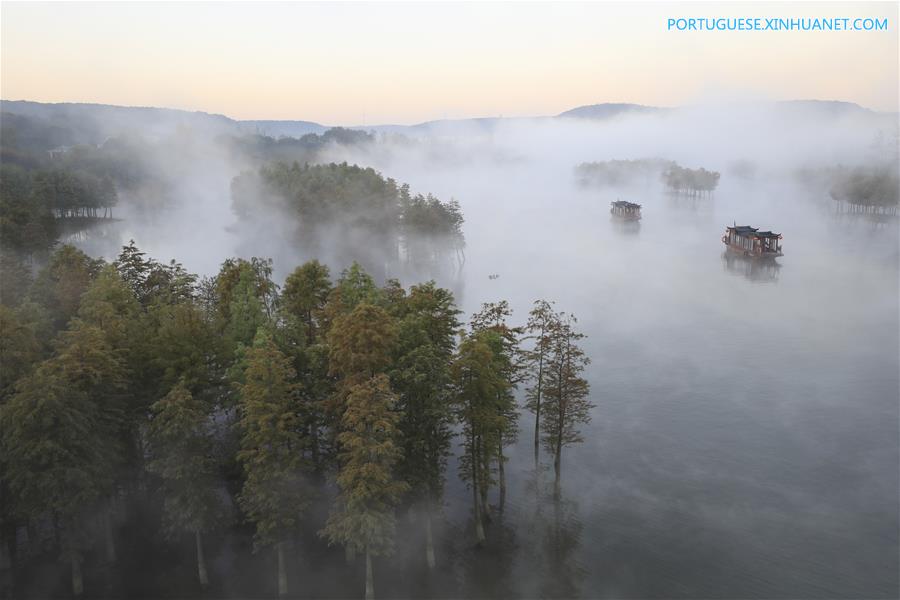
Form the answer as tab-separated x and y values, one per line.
745	437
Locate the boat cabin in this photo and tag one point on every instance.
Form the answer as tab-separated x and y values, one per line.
627	211
750	241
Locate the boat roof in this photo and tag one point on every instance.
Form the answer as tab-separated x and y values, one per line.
746	230
623	204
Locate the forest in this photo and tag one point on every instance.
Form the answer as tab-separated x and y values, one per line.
676	179
347	207
233	402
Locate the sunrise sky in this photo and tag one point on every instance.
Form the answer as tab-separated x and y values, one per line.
349	63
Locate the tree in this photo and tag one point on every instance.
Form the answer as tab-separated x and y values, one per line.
303	332
541	321
421	377
305	294
60	284
19	350
52	463
182	456
361	343
566	394
364	515
478	383
275	492
61	436
508	357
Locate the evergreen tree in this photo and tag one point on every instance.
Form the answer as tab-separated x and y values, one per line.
566	401
478	383
305	294
507	356
182	456
19	350
275	493
364	515
62	437
60	284
421	377
541	322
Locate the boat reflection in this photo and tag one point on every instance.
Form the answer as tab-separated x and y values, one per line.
759	270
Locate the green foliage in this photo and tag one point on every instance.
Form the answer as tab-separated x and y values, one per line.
26	220
480	388
52	461
364	517
19	349
566	395
305	294
361	342
692	181
248	282
60	284
152	282
341	207
421	377
182	456
868	187
275	492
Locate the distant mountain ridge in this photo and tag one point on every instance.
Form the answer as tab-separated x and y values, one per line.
110	119
608	110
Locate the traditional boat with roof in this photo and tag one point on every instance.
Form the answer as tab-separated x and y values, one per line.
751	242
625	211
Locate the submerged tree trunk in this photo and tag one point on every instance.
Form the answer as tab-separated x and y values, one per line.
537	407
479	527
201	560
557	465
429	539
502	473
108	535
282	573
77	579
370	580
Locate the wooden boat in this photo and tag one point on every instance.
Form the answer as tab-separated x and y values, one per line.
751	242
626	211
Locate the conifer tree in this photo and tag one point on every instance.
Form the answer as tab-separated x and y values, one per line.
541	321
305	294
421	377
507	356
364	515
182	456
275	493
566	397
62	434
478	383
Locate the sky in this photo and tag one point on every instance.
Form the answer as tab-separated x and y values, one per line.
374	63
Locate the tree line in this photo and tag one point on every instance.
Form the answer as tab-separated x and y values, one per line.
340	208
690	182
237	400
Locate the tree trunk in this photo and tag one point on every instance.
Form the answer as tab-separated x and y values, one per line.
537	409
201	560
108	536
479	527
557	466
350	554
77	579
370	580
429	538
282	573
502	472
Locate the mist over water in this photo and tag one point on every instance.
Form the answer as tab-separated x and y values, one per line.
745	437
